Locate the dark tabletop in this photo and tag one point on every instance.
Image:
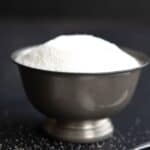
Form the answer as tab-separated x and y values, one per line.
20	123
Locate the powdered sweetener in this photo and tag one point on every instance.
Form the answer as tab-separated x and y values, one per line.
78	53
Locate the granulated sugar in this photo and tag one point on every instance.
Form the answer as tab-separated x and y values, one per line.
77	53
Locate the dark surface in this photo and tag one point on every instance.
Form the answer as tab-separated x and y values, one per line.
20	122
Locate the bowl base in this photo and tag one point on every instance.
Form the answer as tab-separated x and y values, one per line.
80	131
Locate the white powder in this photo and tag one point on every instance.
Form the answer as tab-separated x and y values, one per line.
77	54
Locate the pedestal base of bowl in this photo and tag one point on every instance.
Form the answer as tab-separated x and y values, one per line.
80	131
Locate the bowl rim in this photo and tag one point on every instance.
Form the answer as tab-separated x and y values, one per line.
143	63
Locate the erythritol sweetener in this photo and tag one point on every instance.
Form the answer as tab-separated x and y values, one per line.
79	53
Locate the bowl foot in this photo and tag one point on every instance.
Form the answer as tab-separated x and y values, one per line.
80	131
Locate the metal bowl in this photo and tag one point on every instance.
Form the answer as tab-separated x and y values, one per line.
78	104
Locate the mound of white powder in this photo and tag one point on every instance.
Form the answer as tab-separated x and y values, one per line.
77	54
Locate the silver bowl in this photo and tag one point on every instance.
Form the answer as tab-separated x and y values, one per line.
78	104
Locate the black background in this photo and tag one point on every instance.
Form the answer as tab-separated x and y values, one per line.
24	23
77	8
